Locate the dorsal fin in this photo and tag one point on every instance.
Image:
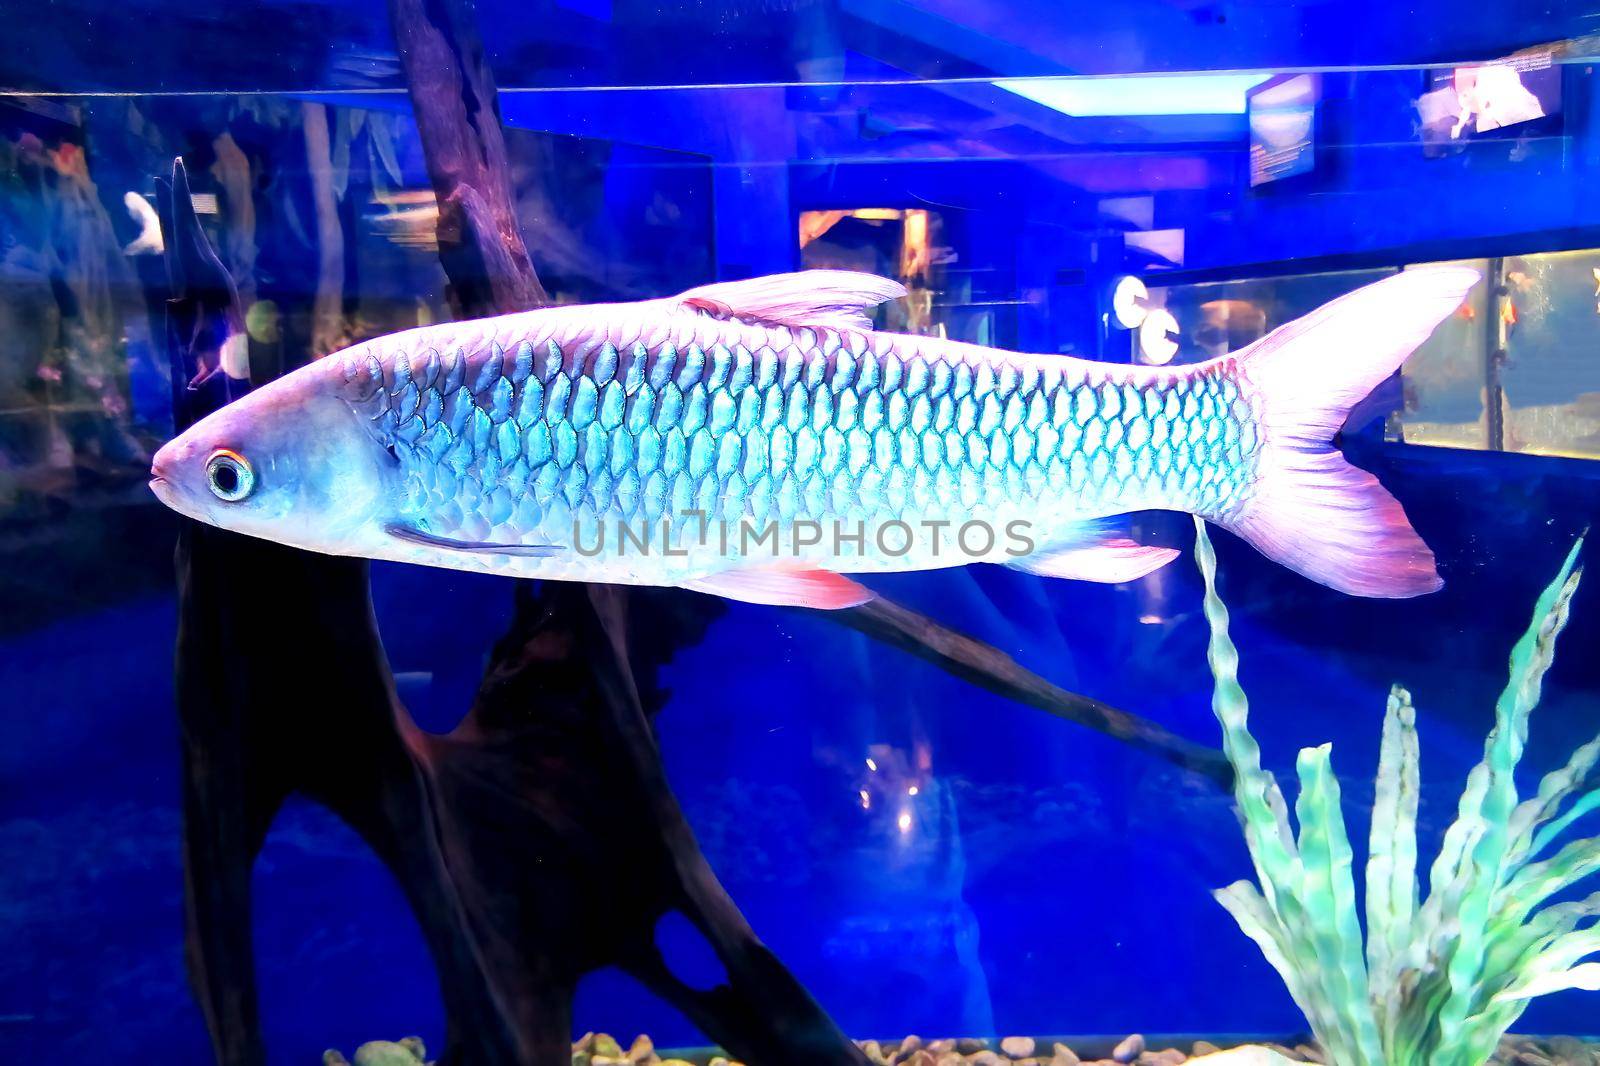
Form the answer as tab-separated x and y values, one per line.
841	299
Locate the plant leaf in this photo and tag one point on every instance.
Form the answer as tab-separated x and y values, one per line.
1392	859
1261	804
1440	983
1328	896
1491	796
1585	976
1257	920
1556	788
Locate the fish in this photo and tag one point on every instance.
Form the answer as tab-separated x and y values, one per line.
149	241
760	441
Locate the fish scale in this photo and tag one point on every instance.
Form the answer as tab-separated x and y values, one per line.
529	440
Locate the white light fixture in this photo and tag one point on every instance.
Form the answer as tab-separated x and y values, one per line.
1139	94
1130	304
1127	301
1155	337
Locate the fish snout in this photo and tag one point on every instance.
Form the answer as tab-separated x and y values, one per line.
163	472
162	462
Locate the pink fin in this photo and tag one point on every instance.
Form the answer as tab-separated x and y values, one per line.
1111	562
1311	510
784	586
840	299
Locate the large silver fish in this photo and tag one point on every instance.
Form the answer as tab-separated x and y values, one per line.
757	439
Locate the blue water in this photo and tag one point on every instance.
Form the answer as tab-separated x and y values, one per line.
1052	880
1044	879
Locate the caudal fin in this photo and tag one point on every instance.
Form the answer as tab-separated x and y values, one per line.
1311	510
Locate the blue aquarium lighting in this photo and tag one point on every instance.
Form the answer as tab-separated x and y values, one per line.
1142	94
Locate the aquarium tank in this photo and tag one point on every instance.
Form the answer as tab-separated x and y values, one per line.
799	533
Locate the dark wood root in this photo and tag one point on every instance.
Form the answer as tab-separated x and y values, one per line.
990	668
458	118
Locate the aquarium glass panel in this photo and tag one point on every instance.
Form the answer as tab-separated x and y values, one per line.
1448	379
1550	386
799	533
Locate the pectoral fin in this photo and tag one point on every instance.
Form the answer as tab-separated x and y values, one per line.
413	535
784	586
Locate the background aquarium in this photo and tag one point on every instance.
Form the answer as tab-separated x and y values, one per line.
999	809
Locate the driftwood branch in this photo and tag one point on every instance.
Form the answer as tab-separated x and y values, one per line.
990	668
327	309
458	118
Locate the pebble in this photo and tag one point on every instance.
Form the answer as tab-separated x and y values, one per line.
1166	1057
384	1053
600	1049
1130	1048
1570	1049
1244	1055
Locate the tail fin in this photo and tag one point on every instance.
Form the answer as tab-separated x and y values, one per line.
1311	510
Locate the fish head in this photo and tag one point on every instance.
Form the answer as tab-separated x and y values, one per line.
291	462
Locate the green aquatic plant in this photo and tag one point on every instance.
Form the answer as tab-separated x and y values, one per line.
1437	982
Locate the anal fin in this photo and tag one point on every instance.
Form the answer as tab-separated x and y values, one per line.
1100	550
784	586
1110	563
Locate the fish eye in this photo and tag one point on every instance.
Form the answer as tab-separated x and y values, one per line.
230	475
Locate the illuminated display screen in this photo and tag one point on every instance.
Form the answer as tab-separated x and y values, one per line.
1283	123
1465	103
